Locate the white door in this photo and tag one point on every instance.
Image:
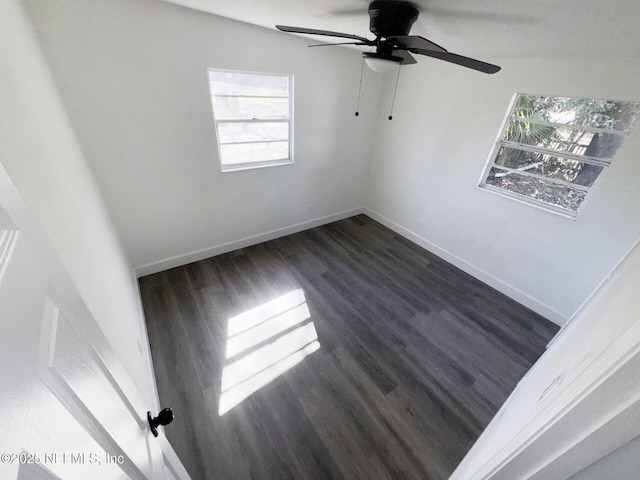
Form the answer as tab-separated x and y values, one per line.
67	408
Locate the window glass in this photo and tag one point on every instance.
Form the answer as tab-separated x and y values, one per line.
253	118
552	150
550	166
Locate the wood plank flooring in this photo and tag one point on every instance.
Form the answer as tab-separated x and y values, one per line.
414	359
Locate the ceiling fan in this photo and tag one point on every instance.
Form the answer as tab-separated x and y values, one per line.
390	22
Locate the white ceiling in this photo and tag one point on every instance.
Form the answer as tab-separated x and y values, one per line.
486	29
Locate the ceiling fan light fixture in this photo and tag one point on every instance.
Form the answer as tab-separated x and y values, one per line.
382	64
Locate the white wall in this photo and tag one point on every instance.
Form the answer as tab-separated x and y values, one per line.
40	152
133	77
429	159
622	464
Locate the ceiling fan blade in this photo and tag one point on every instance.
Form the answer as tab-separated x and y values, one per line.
340	43
460	60
410	42
313	31
407	58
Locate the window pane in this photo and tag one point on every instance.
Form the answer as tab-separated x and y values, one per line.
559	131
233	83
550	166
252	132
609	114
250	107
564	139
253	152
252	113
561	196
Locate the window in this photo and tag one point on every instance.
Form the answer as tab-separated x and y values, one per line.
252	114
553	149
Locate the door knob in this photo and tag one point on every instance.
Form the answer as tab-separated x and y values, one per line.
165	417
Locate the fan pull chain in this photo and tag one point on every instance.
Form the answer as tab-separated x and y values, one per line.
395	90
360	88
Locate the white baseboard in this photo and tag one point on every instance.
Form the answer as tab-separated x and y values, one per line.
191	257
534	304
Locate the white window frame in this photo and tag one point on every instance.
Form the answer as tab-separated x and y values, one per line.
500	142
234	167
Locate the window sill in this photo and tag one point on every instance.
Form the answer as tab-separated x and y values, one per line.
530	202
253	165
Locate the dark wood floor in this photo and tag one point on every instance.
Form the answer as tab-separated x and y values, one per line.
414	357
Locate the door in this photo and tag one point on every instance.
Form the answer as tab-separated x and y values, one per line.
67	408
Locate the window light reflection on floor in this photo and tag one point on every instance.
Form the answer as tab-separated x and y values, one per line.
285	336
267	329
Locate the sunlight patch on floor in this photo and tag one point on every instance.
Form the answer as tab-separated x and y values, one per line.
264	312
283	323
267	329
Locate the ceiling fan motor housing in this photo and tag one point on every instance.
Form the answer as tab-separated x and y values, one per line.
390	18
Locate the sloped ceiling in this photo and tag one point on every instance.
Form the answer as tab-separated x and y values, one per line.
488	29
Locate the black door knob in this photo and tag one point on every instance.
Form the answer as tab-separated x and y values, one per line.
165	417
